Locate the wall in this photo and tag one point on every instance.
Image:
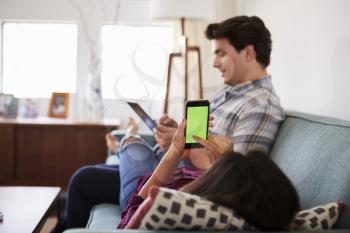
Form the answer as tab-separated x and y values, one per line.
311	46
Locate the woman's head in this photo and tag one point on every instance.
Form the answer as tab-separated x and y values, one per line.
252	185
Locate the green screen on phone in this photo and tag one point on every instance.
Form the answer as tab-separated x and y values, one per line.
197	123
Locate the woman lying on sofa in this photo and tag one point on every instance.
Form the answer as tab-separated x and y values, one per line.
252	185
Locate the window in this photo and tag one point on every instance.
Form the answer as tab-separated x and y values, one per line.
39	58
134	61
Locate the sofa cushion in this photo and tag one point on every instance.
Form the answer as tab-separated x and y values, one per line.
314	153
104	217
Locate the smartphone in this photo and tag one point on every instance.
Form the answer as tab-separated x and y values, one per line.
197	122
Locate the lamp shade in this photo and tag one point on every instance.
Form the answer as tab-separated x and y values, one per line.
175	9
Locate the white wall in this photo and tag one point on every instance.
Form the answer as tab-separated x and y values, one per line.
310	61
311	48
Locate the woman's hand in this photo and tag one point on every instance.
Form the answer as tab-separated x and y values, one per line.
178	143
217	145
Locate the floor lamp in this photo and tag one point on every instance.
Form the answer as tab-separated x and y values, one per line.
181	10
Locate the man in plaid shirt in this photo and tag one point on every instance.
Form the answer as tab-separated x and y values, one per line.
248	114
247	111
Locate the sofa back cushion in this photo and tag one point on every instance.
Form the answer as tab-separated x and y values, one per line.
314	152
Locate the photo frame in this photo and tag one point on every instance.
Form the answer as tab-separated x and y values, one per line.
29	108
8	106
59	105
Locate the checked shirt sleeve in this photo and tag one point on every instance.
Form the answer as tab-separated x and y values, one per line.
257	127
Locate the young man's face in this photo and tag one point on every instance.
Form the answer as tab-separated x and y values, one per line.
228	61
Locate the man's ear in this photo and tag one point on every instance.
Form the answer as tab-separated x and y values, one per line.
250	53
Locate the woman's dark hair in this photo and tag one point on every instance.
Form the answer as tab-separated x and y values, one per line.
242	31
252	185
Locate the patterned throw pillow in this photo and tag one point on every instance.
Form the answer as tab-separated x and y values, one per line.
167	209
318	218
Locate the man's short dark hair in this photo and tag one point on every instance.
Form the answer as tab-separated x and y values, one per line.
242	31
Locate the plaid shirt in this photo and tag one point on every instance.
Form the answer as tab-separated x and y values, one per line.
249	113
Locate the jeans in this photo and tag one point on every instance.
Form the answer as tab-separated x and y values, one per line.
135	160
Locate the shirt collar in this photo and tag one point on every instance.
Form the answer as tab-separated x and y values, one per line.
243	88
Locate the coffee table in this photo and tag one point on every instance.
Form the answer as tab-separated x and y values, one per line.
25	209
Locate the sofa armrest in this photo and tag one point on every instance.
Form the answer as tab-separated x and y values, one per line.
104	216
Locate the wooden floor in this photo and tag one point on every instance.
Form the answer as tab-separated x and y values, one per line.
56	210
49	224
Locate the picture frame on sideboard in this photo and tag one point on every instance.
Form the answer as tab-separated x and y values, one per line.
59	104
8	106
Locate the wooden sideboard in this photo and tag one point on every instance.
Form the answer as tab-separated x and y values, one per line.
47	152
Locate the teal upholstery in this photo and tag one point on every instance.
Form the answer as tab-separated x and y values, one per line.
104	216
313	151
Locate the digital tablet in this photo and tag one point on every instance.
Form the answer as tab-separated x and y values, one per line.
142	114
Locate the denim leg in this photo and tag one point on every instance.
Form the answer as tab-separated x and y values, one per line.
135	159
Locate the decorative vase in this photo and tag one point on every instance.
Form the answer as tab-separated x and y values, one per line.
94	93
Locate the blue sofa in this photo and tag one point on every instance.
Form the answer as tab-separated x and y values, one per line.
313	151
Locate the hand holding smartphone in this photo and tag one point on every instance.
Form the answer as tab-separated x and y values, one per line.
197	122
